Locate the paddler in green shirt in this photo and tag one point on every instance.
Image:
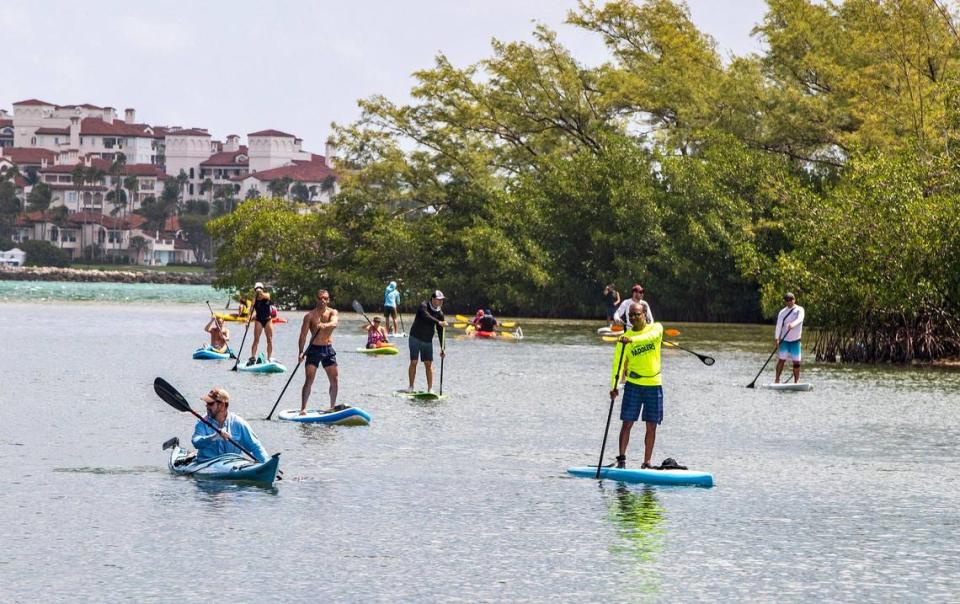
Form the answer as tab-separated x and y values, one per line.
636	363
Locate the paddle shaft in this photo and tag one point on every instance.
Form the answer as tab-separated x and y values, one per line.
706	360
443	356
214	428
219	325
606	430
753	384
242	340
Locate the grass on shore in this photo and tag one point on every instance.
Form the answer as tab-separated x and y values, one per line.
138	268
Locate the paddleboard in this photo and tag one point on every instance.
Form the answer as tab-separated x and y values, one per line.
659	477
606	331
348	416
421	395
801	387
271	367
381	350
209	353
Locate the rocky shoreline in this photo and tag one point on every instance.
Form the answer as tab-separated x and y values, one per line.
45	273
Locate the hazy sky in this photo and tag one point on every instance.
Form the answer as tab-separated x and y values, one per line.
237	66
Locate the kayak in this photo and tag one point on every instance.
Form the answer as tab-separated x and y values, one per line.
661	477
271	367
606	331
231	466
421	395
348	416
210	353
801	387
516	334
381	350
243	319
484	334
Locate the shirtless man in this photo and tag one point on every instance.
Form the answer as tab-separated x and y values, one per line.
319	323
219	335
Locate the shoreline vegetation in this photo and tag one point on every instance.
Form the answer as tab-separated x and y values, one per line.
824	165
106	275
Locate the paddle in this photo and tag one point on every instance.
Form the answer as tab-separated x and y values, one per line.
667	332
606	431
706	360
172	397
462	319
443	356
359	310
220	325
403	329
753	384
242	340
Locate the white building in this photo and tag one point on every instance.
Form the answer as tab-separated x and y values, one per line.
14	257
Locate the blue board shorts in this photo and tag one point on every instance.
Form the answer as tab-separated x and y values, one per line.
321	354
789	350
647	398
420	349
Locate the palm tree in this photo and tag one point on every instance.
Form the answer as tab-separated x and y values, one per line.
207	187
58	216
280	187
132	184
329	185
137	244
94	176
182	180
39	201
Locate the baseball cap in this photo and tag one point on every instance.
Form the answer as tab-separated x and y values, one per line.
637	288
438	295
789	296
217	395
258	285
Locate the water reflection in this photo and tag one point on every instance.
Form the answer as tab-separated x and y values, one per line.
638	517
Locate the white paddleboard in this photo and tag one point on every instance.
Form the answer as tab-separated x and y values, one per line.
801	387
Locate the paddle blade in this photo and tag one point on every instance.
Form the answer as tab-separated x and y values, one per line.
460	325
508	324
357	308
708	360
173	442
672	332
462	319
170	395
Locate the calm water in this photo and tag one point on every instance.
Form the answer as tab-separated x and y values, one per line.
848	492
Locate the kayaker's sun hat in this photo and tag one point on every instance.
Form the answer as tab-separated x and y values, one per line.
376	319
217	395
258	285
438	295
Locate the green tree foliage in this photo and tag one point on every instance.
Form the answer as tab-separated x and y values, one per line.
44	253
825	165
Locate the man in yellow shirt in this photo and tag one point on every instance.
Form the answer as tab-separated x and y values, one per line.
639	349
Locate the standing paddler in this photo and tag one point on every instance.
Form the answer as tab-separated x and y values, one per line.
788	336
319	323
429	320
621	316
639	349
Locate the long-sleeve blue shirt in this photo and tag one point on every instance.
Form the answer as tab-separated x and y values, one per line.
210	444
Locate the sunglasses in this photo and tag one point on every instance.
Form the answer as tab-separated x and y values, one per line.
637	314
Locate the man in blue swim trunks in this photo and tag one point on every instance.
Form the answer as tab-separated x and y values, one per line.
319	323
788	332
637	357
429	319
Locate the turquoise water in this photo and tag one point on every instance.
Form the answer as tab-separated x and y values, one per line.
60	291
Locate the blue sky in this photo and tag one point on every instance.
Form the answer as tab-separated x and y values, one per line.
241	66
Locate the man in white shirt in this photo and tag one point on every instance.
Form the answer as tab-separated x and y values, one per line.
622	316
788	332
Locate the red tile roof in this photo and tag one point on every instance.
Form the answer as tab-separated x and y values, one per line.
5	123
83	106
271	133
188	132
94	126
103	164
228	158
33	102
301	171
132	221
27	155
48	130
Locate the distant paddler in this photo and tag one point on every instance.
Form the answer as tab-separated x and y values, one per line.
622	316
319	324
262	316
391	306
487	322
611	299
429	320
788	335
639	350
219	335
376	334
211	443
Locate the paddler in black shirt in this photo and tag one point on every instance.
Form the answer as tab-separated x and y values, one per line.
429	319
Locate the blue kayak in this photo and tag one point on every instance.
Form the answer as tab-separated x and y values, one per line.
231	466
267	367
348	416
210	353
661	477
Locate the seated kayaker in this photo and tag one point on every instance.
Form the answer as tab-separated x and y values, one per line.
244	307
213	443
219	335
376	334
476	319
487	321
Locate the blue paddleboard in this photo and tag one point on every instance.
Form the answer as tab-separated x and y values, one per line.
661	477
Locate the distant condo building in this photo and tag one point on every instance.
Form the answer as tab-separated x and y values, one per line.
73	149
